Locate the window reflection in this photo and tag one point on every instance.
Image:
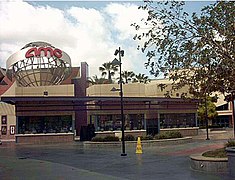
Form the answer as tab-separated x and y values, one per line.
174	120
113	122
49	124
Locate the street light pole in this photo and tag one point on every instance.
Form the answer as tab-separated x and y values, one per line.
122	113
233	112
231	98
206	115
121	54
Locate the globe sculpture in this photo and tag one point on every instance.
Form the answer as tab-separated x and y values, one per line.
39	64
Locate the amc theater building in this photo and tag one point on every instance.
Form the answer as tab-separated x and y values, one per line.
45	99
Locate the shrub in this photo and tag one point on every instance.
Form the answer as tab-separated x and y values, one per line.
129	137
110	138
215	126
105	139
218	153
230	143
97	139
168	135
148	137
161	136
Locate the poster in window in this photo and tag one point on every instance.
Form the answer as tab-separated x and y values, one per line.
4	119
4	130
12	130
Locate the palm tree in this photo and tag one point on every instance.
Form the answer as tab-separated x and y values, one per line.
127	76
96	80
162	86
108	69
141	78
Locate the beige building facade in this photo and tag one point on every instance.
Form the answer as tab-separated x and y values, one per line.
146	108
45	99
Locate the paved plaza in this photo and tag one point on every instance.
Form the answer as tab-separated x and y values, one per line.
74	161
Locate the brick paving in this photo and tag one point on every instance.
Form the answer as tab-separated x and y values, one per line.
195	150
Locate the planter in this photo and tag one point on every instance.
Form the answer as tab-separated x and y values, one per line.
44	138
188	131
231	160
145	143
209	164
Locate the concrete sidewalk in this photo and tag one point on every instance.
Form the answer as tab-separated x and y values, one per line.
75	161
21	168
225	134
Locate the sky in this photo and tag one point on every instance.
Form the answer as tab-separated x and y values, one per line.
89	31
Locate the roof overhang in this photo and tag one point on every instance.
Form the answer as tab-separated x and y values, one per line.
14	99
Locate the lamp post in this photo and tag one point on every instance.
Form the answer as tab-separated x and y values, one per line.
231	98
206	115
120	54
233	111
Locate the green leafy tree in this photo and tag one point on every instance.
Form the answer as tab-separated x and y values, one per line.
211	110
196	50
108	69
141	78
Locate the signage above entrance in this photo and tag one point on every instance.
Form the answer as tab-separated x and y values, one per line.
39	64
37	50
43	51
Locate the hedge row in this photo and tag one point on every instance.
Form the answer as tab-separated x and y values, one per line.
164	135
168	135
105	139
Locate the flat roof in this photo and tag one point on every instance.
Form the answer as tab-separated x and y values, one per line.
13	99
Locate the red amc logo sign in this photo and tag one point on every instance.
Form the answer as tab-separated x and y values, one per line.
36	52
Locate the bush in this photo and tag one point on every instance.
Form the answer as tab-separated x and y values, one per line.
230	143
218	153
215	126
105	139
97	139
148	137
110	138
129	137
161	136
168	135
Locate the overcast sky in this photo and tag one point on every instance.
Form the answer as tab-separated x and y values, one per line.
86	30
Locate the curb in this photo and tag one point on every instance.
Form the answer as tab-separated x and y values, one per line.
208	164
145	143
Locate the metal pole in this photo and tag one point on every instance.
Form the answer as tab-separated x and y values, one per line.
233	112
122	113
207	134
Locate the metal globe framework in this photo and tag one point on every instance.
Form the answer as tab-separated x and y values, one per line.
39	64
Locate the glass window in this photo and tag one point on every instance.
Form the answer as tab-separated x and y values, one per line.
174	120
49	124
113	122
222	107
136	121
4	119
4	130
221	121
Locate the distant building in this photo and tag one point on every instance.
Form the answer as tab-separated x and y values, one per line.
225	113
